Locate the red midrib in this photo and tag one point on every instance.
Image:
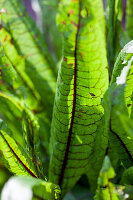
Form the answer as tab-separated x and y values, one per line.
74	105
122	143
26	168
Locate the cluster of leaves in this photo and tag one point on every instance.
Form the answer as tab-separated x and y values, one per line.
90	133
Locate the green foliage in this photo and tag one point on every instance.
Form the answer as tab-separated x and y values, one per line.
113	15
19	163
129	18
77	109
106	189
86	146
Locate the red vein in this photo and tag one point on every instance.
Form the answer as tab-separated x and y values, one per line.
74	104
122	143
26	168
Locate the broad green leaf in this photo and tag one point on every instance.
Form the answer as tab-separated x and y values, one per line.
119	146
18	161
99	151
129	18
124	58
127	125
117	129
128	139
117	98
122	72
106	189
82	81
29	188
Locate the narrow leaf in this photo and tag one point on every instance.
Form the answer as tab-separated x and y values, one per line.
50	30
129	18
17	159
113	34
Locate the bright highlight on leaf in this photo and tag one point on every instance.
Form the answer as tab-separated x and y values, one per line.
122	78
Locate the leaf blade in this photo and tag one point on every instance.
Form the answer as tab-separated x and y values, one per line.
17	159
77	97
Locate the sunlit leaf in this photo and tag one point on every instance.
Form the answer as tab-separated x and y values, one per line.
82	81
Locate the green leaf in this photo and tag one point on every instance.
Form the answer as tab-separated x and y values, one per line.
18	161
13	114
50	30
33	99
17	61
113	8
127	177
106	189
120	147
124	58
129	18
115	104
32	141
12	80
38	65
82	81
123	72
30	188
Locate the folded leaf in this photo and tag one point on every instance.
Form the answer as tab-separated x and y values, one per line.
18	161
29	188
82	81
